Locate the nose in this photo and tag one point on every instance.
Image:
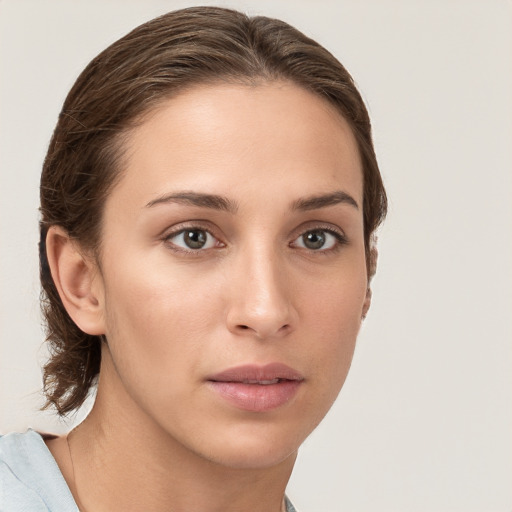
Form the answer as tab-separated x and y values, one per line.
261	304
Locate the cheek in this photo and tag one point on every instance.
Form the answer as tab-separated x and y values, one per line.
156	318
332	316
151	293
334	303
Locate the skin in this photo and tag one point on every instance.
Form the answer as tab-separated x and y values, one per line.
256	293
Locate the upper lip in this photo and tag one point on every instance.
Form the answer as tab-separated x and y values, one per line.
253	373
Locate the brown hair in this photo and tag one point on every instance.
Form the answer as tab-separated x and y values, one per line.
153	62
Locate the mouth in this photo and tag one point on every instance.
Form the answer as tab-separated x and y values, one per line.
261	382
257	388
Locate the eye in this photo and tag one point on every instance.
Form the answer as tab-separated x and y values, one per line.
318	239
193	239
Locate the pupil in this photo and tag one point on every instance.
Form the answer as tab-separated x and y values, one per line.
195	239
314	239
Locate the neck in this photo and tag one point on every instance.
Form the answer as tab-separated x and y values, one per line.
123	461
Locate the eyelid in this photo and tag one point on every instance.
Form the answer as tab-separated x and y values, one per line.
320	226
192	225
202	224
335	231
206	226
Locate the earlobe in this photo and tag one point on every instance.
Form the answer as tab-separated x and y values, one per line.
77	281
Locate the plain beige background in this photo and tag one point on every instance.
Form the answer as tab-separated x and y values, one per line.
425	419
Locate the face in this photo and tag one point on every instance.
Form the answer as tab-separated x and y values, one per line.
232	271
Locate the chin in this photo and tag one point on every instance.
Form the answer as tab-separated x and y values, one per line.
254	458
254	448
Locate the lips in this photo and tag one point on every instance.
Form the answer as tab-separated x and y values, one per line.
257	388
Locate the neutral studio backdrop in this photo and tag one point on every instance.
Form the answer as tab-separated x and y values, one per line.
424	421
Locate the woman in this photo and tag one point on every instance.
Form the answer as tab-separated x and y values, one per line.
208	203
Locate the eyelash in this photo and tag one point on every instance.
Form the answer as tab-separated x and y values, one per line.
340	239
194	252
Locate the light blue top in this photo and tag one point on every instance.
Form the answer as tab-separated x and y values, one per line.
31	481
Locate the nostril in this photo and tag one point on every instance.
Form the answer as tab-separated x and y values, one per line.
283	329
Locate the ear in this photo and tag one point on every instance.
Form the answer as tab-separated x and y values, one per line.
367	302
372	268
78	281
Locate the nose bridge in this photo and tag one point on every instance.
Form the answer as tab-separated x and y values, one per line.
261	303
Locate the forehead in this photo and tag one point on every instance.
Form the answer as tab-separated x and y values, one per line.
232	135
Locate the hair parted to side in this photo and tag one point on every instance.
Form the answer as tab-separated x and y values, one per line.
155	61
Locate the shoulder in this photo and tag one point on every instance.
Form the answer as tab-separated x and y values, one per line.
30	479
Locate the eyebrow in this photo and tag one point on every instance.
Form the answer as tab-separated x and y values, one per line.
324	200
212	201
216	202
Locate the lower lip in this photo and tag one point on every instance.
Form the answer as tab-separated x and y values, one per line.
257	397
